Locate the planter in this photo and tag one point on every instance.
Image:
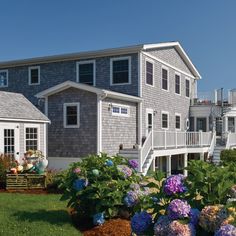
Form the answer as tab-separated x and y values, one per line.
25	181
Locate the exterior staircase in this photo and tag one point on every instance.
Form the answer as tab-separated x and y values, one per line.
220	146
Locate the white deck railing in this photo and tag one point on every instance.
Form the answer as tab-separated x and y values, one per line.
212	145
231	140
168	139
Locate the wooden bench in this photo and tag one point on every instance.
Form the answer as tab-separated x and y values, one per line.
25	181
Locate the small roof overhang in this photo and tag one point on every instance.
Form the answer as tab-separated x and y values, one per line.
101	92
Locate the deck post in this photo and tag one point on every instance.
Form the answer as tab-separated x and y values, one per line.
200	138
168	165
185	164
202	156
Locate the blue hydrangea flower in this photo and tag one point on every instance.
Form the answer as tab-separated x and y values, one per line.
80	184
133	164
194	216
140	222
98	219
131	199
226	230
178	209
174	184
109	163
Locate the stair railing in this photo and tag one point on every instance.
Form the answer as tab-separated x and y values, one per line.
212	145
145	149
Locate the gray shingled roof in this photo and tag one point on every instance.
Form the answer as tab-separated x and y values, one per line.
16	106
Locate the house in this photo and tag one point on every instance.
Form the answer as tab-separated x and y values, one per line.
22	126
132	100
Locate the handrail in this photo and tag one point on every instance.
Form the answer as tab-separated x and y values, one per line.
145	149
212	146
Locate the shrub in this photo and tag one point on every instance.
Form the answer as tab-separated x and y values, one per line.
228	155
6	162
99	186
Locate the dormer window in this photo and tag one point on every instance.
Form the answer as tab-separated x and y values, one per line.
3	78
86	72
34	75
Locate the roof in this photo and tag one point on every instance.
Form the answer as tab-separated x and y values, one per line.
104	52
102	92
14	106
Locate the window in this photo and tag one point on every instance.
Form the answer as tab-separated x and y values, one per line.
71	115
3	78
120	110
149	73
9	142
177	83
34	75
120	70
164	120
231	124
31	138
187	88
86	72
165	79
177	122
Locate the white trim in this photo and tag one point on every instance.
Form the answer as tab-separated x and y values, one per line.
111	69
65	105
120	106
178	114
45	151
169	65
24	120
99	124
140	122
180	87
5	71
186	78
153	72
168	80
86	62
140	94
38	135
168	121
29	75
149	111
46	106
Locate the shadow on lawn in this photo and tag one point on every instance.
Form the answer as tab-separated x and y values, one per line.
56	217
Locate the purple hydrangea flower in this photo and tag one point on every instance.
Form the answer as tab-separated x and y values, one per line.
80	184
133	164
226	230
77	170
178	209
135	186
194	216
174	184
140	222
109	163
98	219
131	198
162	226
125	170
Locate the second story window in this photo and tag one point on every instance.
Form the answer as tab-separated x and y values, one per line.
165	120
120	70
165	85
71	115
177	83
34	75
86	72
187	88
149	73
3	78
177	122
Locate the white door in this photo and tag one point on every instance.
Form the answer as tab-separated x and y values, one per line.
149	120
9	139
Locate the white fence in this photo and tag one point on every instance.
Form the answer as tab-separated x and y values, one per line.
231	140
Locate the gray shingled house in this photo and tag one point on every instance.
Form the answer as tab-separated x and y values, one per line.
22	126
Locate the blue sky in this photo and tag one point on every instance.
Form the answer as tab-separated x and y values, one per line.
205	28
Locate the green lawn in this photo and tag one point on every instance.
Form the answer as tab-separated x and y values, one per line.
25	214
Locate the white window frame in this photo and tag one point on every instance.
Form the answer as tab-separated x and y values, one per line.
5	71
111	70
168	121
149	111
65	105
177	73
38	133
168	80
29	74
120	106
153	72
186	78
178	114
86	62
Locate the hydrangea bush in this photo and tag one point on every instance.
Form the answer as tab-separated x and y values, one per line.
101	187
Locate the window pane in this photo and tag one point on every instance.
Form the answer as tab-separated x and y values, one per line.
124	111
34	76
3	78
120	71
187	87
71	115
115	109
164	121
177	84
86	73
164	79
177	122
149	73
31	139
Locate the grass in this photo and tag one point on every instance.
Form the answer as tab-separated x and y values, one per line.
25	214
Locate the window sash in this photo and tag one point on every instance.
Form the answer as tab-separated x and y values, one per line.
164	79
120	71
3	78
71	115
165	121
31	138
177	84
187	90
119	110
149	73
177	122
86	73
